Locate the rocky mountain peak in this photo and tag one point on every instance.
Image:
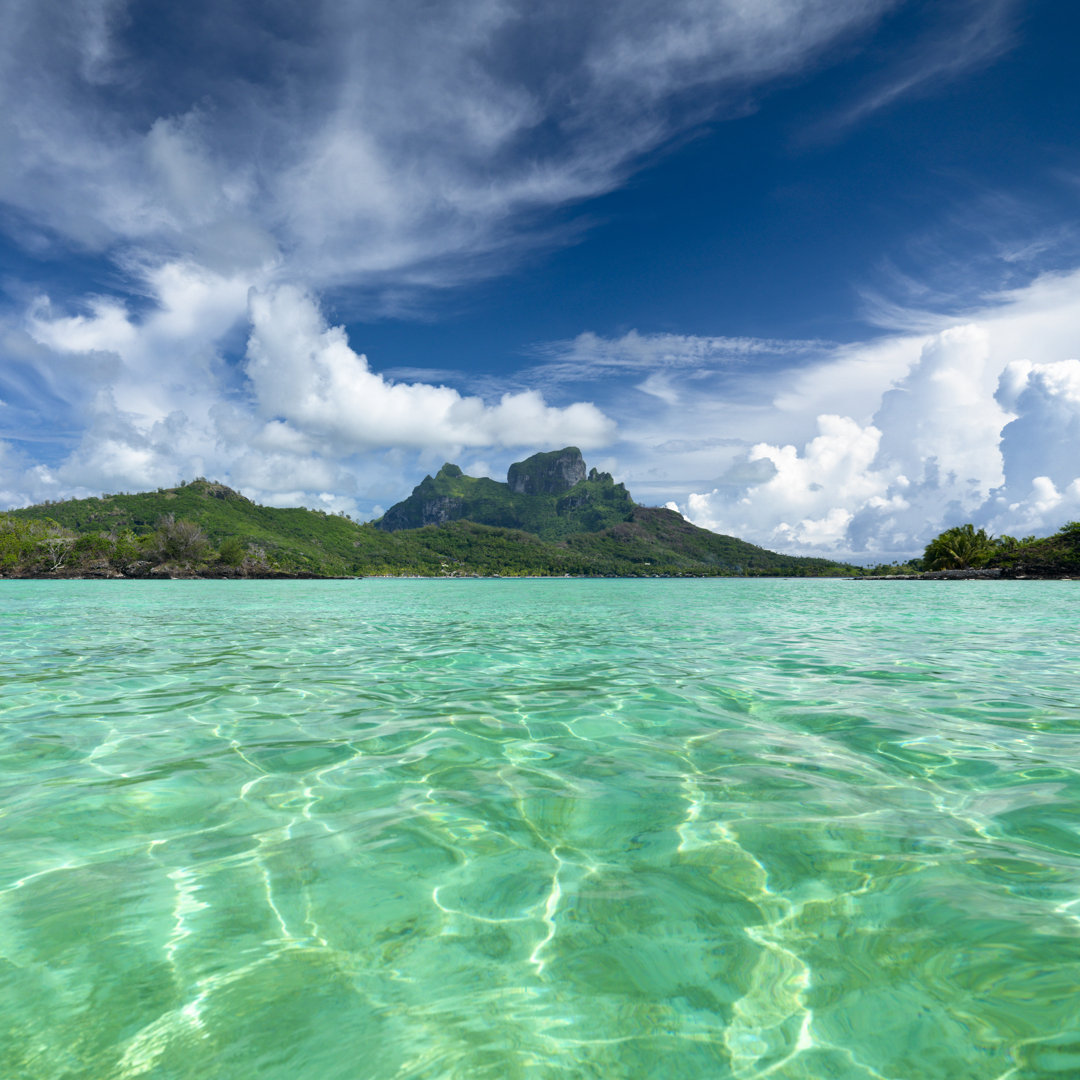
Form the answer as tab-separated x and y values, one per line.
550	473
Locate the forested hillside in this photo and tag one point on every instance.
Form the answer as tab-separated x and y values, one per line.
206	529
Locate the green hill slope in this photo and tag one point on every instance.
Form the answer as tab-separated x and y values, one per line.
295	538
657	537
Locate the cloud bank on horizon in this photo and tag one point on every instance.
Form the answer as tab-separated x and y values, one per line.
188	197
968	428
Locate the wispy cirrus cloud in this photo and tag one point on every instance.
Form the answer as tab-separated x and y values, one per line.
591	356
963	36
364	144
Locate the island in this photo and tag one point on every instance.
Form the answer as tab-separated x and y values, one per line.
552	517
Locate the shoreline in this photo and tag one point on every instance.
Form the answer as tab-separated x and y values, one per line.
994	574
930	575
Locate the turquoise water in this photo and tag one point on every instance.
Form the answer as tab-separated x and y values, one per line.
539	829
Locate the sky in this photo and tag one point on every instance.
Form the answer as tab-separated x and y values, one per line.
807	271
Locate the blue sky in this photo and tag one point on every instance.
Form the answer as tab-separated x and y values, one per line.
806	270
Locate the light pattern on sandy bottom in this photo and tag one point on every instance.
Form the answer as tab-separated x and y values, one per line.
533	829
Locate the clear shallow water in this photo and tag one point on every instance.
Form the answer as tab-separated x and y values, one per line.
539	829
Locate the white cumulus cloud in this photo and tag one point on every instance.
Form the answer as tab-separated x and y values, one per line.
815	488
305	374
978	421
151	400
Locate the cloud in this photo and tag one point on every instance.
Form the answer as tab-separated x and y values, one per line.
941	423
961	37
152	400
379	146
163	360
866	449
305	375
812	490
855	485
1044	438
1040	446
590	356
392	149
977	421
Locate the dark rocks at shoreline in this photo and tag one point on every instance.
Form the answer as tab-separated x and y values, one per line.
995	573
941	575
170	573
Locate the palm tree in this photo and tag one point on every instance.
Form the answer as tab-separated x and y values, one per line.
958	548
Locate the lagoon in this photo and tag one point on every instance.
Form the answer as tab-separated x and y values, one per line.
799	829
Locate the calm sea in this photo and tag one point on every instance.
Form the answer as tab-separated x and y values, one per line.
806	830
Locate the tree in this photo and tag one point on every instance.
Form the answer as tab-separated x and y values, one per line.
56	549
958	548
127	548
1070	533
232	551
180	541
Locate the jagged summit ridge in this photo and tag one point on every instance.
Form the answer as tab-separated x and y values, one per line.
550	494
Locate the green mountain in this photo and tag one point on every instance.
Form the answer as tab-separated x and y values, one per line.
551	517
549	495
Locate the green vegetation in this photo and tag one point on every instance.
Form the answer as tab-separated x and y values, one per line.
559	519
959	548
204	529
656	540
233	533
964	547
558	524
549	506
41	543
1052	556
32	547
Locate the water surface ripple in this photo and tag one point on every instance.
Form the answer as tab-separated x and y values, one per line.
807	830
